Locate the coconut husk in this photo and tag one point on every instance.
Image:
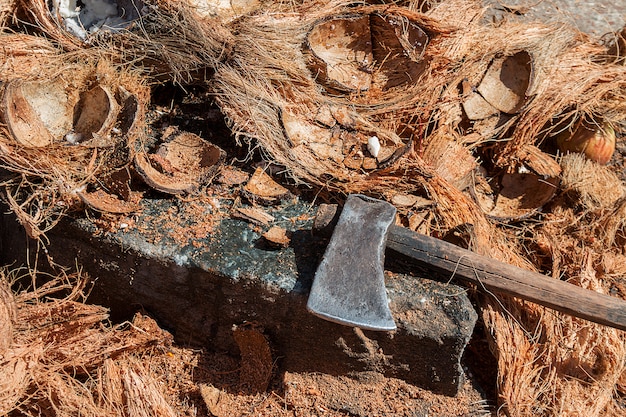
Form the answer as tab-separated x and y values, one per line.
64	133
24	55
577	375
165	38
57	341
590	184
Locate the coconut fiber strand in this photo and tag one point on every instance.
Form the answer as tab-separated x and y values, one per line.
59	357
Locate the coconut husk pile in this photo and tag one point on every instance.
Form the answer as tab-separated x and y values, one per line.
459	122
60	356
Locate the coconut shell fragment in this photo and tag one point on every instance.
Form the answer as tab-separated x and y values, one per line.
183	163
261	187
474	105
342	52
506	81
513	196
277	236
105	202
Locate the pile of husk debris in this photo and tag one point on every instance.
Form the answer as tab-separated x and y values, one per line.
60	357
504	129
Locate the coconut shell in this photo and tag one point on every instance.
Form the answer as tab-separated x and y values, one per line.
40	113
506	81
474	105
350	53
182	163
36	113
342	52
96	113
261	187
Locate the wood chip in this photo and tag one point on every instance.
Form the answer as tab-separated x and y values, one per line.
261	185
254	215
277	236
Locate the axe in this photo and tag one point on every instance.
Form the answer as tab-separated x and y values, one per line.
349	286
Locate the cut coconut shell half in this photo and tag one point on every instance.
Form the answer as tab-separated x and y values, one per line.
513	196
42	113
506	82
36	113
183	163
342	51
95	114
353	53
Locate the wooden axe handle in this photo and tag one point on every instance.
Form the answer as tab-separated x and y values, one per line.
503	278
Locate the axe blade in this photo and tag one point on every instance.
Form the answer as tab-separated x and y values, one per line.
349	285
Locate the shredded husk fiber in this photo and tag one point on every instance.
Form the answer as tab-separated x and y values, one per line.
62	358
166	39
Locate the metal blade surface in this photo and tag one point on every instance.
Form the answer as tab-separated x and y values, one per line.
349	286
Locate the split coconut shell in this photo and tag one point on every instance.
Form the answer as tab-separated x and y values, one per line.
503	87
182	163
513	196
350	53
40	113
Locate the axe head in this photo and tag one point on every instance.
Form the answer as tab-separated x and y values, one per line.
349	285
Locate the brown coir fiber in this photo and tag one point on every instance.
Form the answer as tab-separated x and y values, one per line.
63	358
166	39
76	144
7	8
